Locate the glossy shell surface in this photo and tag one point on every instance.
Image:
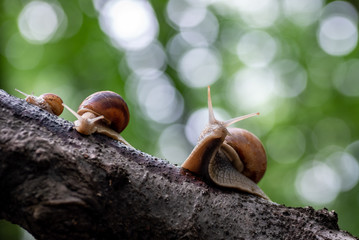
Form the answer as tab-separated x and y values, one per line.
250	151
54	101
109	104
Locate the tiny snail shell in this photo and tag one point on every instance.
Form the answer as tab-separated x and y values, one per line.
103	112
229	157
47	101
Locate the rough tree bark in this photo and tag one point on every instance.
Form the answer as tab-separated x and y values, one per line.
59	184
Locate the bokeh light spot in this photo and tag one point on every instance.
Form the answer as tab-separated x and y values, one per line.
340	8
39	21
200	67
195	125
204	33
337	35
292	78
176	47
353	149
160	101
130	24
347	168
257	13
302	12
253	89
163	104
184	14
143	60
256	49
318	184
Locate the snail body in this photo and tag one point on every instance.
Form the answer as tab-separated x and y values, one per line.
47	101
104	112
229	157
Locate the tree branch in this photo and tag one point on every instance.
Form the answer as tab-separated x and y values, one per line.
59	184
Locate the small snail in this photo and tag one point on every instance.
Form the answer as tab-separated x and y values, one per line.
47	101
232	158
103	112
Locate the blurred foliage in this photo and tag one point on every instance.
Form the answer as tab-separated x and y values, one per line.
294	61
9	231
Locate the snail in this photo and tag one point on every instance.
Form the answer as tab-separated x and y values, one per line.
47	101
228	157
104	112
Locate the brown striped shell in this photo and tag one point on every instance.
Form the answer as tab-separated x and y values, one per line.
228	157
110	105
250	151
47	101
54	102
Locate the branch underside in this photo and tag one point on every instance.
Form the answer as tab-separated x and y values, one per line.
59	184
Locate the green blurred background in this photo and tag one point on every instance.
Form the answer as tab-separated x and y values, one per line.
294	61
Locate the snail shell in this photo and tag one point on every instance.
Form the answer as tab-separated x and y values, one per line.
104	112
47	101
250	151
110	105
231	158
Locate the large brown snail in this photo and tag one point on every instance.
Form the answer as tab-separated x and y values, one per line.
229	157
104	112
47	101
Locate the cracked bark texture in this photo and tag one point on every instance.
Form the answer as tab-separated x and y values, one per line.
59	184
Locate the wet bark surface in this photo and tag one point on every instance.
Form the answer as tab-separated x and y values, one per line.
59	184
